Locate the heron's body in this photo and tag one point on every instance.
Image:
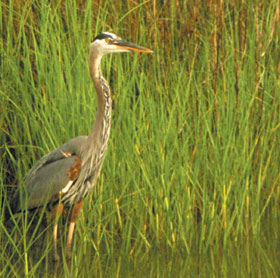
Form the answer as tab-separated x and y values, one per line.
70	171
66	175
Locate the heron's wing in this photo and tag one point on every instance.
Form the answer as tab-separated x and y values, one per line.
68	149
52	175
51	181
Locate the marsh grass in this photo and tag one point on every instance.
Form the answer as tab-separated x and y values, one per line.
193	158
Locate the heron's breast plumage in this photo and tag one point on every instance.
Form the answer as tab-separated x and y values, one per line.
93	156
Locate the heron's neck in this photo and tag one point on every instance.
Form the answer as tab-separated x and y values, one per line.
101	128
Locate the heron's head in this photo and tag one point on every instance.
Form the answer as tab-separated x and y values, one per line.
110	43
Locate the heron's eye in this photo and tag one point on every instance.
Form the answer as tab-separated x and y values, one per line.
107	40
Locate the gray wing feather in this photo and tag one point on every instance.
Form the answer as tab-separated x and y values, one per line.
47	183
48	176
71	147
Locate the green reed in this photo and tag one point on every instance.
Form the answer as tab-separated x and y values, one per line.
193	158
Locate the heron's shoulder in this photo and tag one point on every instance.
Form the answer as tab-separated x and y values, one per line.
69	148
76	141
72	147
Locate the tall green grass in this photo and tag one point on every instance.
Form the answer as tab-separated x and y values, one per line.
193	158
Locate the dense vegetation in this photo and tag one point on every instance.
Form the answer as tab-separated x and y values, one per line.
194	155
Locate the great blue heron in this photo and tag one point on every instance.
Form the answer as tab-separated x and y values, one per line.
66	175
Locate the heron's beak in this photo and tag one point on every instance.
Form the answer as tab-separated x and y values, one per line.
130	46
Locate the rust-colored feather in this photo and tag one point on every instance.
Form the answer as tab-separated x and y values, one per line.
74	170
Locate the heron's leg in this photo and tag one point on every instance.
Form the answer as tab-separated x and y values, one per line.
56	213
74	215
